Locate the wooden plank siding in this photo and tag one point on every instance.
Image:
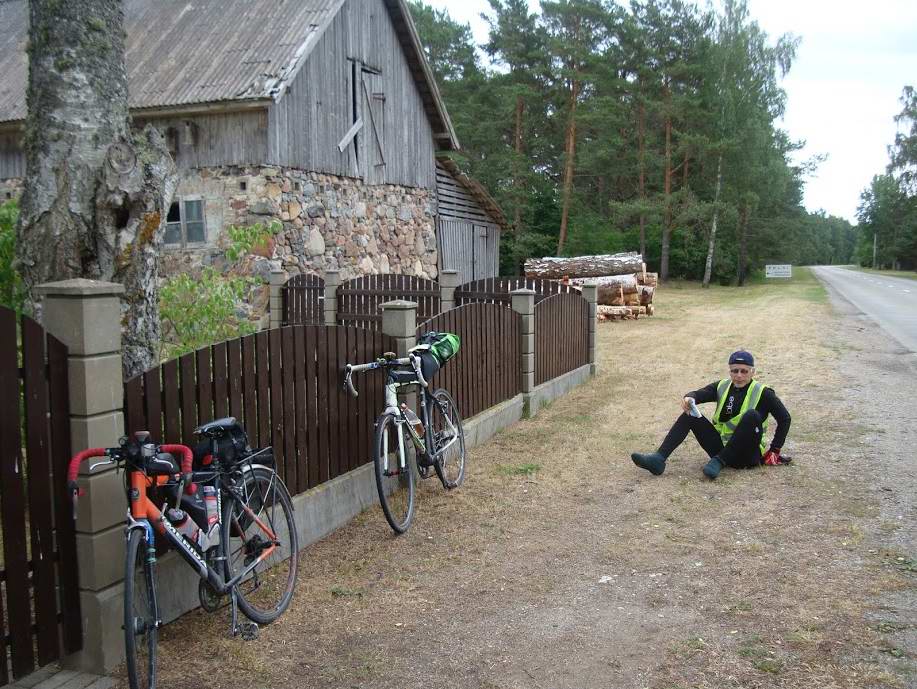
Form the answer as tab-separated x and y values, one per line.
561	336
234	138
469	239
39	605
315	113
283	385
12	157
485	372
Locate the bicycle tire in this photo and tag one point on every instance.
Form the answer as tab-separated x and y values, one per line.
140	631
266	592
396	492
450	467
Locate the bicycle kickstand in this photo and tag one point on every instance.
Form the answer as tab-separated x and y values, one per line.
247	629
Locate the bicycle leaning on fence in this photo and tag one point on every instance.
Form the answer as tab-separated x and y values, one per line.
436	435
231	521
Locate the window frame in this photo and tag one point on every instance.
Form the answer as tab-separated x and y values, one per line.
183	242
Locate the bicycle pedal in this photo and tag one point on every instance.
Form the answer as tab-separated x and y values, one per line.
247	630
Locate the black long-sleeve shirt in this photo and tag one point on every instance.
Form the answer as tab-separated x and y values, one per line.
768	404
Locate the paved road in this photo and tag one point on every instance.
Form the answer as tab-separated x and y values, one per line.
890	302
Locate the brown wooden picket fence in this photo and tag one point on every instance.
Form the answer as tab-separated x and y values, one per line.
497	290
303	300
561	336
486	370
283	385
40	607
359	301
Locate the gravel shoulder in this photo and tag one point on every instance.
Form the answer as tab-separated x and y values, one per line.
560	564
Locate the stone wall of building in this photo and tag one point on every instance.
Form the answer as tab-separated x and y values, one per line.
329	222
11	188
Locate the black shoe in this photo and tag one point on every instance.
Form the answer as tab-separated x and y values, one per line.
713	467
653	462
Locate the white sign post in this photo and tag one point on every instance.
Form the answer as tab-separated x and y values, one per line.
778	270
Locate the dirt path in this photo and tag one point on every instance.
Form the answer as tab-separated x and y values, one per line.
559	564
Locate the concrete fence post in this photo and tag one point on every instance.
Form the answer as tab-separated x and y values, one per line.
399	320
277	280
590	294
448	281
86	316
332	282
524	304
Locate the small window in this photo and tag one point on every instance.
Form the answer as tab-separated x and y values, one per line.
243	185
185	223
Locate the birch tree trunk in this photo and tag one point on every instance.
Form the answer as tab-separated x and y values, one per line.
94	194
570	152
708	267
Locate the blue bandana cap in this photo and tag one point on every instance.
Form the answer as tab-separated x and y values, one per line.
742	357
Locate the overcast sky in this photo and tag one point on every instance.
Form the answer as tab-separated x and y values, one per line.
842	91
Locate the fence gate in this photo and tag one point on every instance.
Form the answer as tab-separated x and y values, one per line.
497	290
40	606
360	300
303	300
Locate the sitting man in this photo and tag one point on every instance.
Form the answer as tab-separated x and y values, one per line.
736	436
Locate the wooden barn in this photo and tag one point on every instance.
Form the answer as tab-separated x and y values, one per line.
321	114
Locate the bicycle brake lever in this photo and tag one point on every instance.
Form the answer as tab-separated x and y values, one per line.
100	464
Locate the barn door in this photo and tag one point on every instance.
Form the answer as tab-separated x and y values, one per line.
456	248
374	130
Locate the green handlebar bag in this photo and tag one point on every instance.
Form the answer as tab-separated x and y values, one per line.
444	346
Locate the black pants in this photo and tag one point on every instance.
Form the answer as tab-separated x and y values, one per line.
742	451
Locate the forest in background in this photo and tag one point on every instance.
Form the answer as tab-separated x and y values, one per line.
651	127
887	214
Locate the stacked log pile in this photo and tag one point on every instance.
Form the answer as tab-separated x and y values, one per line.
623	296
624	288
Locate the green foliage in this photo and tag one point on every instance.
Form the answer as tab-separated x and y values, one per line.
198	311
245	238
666	91
201	311
11	289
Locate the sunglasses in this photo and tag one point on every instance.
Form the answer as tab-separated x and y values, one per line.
743	371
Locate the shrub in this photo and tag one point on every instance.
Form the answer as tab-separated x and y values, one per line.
197	312
11	290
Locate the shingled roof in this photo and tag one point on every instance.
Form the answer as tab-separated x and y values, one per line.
185	53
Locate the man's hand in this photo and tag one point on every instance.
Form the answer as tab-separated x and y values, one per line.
686	405
772	457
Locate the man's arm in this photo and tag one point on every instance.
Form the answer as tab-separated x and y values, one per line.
771	404
705	394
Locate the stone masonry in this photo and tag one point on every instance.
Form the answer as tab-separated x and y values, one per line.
329	223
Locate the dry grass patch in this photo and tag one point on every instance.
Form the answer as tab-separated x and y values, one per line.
559	564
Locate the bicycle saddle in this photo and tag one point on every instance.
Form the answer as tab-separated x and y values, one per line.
218	428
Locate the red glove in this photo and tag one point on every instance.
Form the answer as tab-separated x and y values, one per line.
772	457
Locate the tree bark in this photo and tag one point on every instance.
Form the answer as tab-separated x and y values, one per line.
94	195
555	268
667	191
744	214
517	177
570	151
641	175
708	267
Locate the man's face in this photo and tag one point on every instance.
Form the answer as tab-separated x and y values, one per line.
741	374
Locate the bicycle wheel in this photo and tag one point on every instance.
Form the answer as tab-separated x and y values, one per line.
140	631
258	514
448	439
394	482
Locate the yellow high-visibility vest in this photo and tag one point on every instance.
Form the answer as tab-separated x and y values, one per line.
752	397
